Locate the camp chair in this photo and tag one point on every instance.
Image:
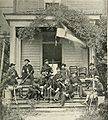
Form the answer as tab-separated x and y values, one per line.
73	69
82	72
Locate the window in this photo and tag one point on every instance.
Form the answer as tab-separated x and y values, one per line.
47	5
51	3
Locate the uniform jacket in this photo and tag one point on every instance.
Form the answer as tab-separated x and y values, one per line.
93	72
47	70
26	70
11	76
64	74
99	88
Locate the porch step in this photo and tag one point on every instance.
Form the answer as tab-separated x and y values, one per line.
76	102
21	101
43	106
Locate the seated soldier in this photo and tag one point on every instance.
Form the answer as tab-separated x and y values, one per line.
27	71
75	81
67	92
34	91
42	83
56	85
46	69
97	91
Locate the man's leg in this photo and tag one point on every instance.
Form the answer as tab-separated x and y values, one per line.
57	96
63	99
31	78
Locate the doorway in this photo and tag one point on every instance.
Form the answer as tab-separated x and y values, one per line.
53	53
51	50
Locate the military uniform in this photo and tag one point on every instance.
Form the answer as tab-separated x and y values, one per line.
67	93
34	91
27	72
99	88
57	87
64	74
46	70
92	71
12	76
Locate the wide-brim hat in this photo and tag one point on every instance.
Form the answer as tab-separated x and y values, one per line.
46	60
12	64
91	64
27	60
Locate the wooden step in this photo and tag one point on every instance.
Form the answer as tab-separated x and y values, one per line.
43	106
21	101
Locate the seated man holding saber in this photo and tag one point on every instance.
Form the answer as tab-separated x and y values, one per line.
27	71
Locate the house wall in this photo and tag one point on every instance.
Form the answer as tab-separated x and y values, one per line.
73	54
32	50
85	5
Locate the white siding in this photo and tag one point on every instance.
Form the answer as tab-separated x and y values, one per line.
73	54
32	51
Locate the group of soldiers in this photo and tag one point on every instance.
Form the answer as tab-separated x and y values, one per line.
59	87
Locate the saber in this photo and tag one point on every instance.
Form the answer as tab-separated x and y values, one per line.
26	78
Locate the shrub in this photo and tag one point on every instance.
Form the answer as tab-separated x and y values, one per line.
103	110
91	116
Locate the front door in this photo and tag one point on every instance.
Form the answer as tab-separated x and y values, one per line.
53	53
51	50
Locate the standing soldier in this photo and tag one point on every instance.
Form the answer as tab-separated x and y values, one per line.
92	71
11	78
27	71
12	75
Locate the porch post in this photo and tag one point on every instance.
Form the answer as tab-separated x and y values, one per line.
92	54
18	56
12	44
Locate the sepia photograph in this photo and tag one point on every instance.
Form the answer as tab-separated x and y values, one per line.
53	60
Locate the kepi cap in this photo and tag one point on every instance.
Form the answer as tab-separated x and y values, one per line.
46	60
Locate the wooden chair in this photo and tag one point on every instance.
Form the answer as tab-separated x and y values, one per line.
82	72
73	69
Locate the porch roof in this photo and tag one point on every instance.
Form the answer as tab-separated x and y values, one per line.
32	16
24	17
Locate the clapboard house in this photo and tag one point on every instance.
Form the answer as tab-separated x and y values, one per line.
44	45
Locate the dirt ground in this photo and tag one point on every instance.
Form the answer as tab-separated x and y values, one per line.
67	114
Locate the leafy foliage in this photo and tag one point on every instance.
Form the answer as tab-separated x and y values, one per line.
91	115
101	50
103	110
10	114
